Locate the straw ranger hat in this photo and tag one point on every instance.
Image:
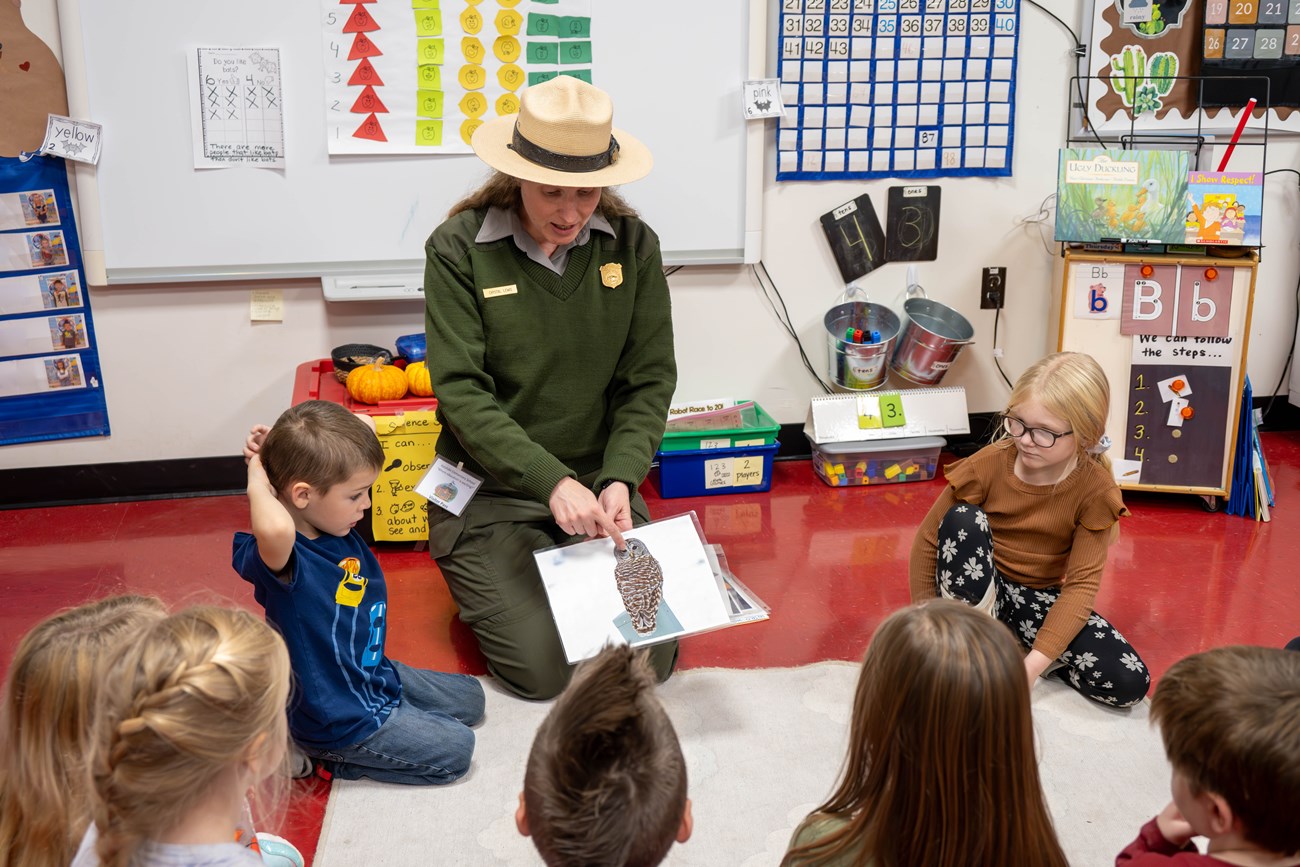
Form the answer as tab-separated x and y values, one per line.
563	135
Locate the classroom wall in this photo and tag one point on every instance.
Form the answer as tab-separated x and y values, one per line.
186	373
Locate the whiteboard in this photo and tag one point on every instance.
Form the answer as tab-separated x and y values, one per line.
674	69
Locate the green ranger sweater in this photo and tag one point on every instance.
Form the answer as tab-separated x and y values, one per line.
540	376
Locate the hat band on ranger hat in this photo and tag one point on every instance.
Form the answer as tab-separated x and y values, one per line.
535	153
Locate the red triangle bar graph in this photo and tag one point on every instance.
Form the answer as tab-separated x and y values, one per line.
365	74
363	46
360	21
370	129
369	102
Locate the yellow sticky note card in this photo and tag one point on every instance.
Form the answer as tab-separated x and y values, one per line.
428	132
429	77
425	4
746	471
428	22
891	410
430	50
868	412
266	305
428	103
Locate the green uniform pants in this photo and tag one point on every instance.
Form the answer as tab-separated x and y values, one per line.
486	557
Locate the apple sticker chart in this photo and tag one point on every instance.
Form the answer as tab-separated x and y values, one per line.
896	88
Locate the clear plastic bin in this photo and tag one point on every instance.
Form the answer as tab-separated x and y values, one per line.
877	462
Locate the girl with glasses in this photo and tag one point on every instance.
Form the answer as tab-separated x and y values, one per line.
1023	528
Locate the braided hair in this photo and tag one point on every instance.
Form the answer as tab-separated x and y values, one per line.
49	702
203	690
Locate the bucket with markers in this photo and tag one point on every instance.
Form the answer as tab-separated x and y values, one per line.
860	337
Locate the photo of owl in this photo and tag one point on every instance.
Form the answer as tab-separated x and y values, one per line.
640	582
653	597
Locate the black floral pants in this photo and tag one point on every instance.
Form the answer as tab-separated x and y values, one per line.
1099	662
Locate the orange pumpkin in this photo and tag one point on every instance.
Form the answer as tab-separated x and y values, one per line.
372	383
417	377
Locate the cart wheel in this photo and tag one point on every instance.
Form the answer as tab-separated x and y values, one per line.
1212	502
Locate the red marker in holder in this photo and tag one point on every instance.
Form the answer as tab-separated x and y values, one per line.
1241	124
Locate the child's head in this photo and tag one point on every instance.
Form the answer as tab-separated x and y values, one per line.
196	706
1072	387
606	781
1230	720
60	364
48	703
941	767
320	443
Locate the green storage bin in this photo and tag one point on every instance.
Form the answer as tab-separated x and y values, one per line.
762	433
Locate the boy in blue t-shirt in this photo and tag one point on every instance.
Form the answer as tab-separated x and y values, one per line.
358	712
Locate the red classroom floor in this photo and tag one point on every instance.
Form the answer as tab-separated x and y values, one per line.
831	563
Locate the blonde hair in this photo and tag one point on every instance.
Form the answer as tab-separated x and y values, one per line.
1073	386
941	768
187	702
502	191
49	701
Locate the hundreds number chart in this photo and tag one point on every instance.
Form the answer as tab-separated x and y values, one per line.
897	88
1254	37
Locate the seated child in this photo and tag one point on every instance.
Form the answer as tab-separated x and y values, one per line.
190	718
1024	526
941	768
606	781
48	706
361	714
1230	720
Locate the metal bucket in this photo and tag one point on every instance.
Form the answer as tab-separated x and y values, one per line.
860	366
935	335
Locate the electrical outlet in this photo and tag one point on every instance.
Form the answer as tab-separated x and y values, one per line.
993	287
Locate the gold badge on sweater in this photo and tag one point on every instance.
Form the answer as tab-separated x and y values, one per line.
611	274
498	291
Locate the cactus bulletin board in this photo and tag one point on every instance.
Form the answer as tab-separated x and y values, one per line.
1145	74
897	88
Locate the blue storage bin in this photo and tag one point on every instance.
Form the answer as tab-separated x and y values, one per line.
698	472
411	347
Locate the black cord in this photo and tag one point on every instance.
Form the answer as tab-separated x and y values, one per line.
1080	52
996	316
670	271
1048	12
783	316
1292	171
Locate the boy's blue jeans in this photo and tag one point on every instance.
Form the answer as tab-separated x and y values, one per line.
426	740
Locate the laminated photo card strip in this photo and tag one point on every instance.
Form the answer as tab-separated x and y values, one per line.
28	209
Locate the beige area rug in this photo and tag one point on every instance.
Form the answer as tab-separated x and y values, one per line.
763	747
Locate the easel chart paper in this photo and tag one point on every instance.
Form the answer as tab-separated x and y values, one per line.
665	587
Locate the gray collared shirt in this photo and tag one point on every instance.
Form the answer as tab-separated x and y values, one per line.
502	223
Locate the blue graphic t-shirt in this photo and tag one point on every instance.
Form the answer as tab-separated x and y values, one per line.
333	614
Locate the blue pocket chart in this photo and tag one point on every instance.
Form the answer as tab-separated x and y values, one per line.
51	386
897	88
